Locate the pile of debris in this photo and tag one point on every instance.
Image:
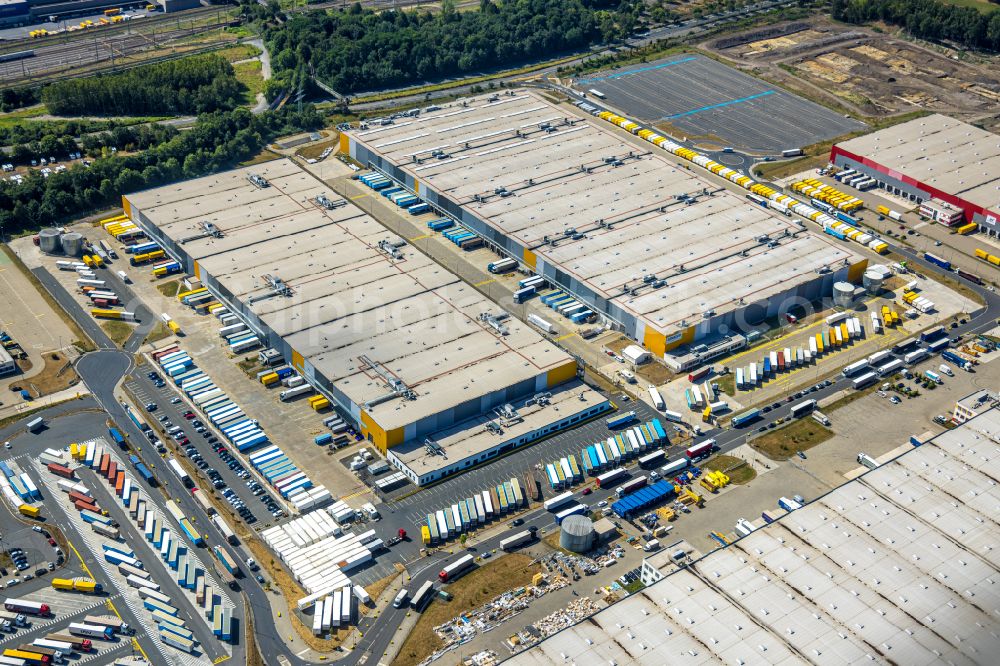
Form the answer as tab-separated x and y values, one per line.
575	611
465	627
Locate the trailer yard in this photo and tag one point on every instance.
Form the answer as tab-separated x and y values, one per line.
710	103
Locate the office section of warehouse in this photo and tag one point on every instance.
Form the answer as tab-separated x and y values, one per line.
897	566
666	253
936	161
394	339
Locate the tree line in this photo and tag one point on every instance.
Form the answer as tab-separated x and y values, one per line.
217	141
927	19
192	85
360	49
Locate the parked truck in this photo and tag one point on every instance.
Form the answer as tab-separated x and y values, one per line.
91	630
115	623
456	568
26	607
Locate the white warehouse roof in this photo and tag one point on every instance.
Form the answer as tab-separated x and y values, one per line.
897	566
941	152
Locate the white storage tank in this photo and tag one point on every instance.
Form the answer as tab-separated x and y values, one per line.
49	241
843	294
576	534
872	281
72	244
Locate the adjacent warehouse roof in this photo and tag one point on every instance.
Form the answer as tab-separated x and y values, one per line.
607	212
898	566
940	152
356	316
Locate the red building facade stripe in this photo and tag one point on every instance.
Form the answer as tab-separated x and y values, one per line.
967	207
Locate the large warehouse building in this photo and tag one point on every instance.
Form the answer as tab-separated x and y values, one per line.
667	255
935	157
899	566
395	340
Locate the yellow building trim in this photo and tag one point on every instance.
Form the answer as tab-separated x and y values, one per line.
529	258
297	360
127	206
416	186
197	270
855	272
563	373
654	341
686	337
345	144
377	435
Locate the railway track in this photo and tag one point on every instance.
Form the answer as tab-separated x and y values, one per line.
99	52
148	24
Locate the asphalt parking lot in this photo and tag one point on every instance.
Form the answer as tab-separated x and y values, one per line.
700	97
215	473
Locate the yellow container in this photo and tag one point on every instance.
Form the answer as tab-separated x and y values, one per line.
29	511
62	583
321	404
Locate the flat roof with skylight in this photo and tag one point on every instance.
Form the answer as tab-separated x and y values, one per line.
897	566
364	306
613	216
941	152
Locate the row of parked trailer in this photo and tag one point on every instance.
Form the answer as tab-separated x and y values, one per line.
639	441
174	552
774	199
456	233
569	307
243	432
122	229
853	178
817	189
472	512
396	194
290	482
907	353
19	489
238	336
842	329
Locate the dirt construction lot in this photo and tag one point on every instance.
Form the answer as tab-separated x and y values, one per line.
868	73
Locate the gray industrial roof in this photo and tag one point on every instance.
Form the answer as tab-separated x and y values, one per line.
562	181
412	316
942	152
897	566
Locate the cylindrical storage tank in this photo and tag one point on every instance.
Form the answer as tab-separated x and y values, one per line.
872	281
72	244
48	241
576	534
843	294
